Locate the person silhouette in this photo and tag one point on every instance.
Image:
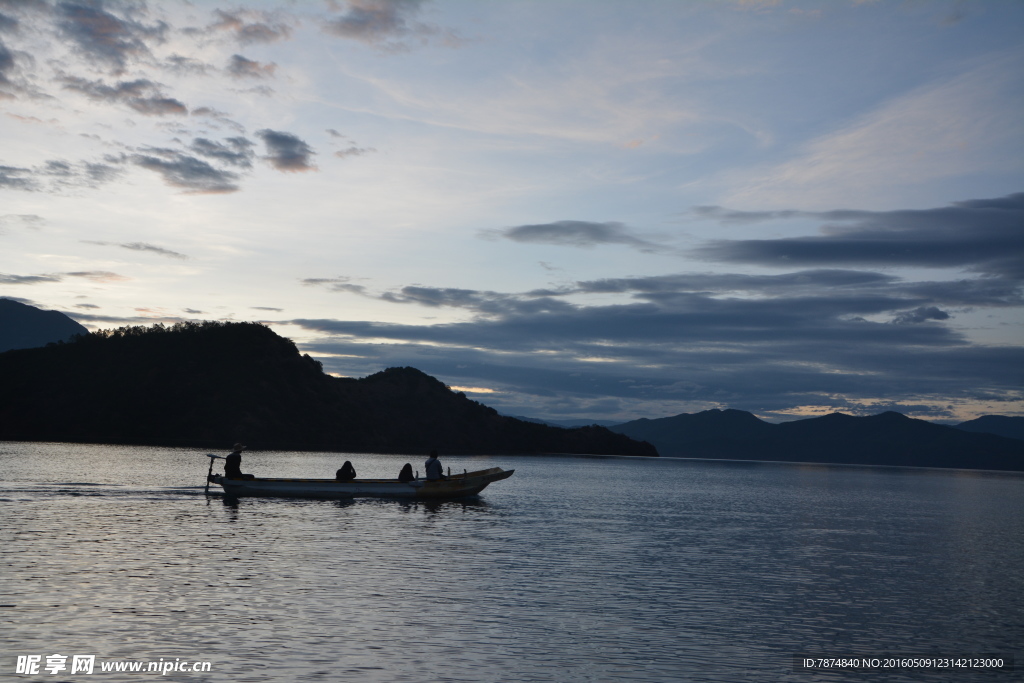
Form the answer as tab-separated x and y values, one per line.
347	472
433	466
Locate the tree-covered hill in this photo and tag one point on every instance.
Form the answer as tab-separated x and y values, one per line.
212	384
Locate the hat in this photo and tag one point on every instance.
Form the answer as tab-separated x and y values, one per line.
239	447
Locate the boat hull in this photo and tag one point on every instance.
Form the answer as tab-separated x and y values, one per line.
457	486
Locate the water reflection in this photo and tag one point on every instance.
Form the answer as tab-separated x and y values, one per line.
604	569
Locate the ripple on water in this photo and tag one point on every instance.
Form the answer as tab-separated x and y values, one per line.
572	570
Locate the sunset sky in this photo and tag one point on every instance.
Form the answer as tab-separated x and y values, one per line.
567	209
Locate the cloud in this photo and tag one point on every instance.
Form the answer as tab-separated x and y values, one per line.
98	275
834	338
377	21
14	178
921	314
188	172
577	234
6	64
142	95
354	152
22	220
981	235
240	67
235	151
337	284
286	152
253	26
57	174
8	279
141	246
105	38
965	125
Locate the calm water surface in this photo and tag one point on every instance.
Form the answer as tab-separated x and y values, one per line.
575	569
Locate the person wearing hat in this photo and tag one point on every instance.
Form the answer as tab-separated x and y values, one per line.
233	464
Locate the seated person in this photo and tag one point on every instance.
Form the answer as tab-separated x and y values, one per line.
347	472
406	473
233	464
433	466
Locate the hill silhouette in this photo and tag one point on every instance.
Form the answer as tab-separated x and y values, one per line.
212	384
885	439
1003	425
24	327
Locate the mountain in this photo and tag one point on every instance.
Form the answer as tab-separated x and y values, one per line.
24	327
213	384
885	439
1010	427
568	423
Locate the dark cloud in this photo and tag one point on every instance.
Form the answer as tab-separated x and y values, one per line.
236	151
286	152
981	235
187	66
6	65
376	21
577	234
105	37
240	67
187	172
267	308
8	24
253	26
14	178
152	248
142	95
57	174
921	314
838	338
336	284
27	279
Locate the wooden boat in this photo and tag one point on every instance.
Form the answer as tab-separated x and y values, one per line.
456	486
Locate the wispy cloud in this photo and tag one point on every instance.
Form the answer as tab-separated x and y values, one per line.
577	234
966	124
240	67
140	246
249	26
142	95
981	235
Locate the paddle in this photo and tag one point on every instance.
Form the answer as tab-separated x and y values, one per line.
209	474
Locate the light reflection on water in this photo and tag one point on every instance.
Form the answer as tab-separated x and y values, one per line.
575	569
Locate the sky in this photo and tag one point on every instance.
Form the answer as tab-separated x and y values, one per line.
565	208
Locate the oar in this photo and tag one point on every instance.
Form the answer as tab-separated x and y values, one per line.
209	474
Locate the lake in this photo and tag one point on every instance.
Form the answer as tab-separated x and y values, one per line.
574	569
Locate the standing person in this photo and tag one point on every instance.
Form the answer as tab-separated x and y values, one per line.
233	463
433	467
347	472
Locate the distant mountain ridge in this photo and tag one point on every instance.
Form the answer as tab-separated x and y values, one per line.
1003	425
885	439
213	384
25	327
